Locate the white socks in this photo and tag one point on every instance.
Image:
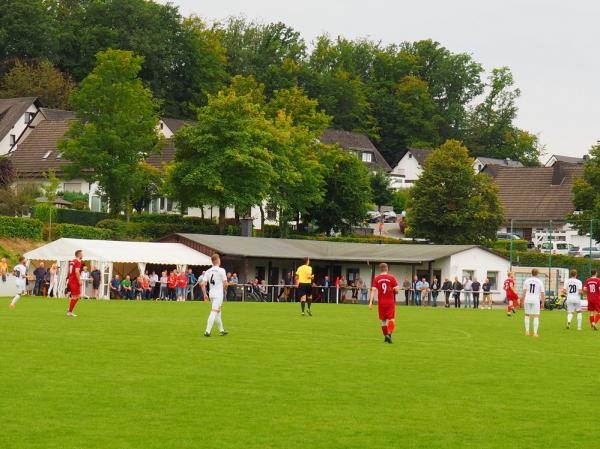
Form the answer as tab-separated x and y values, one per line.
527	324
211	321
569	318
579	318
219	322
536	324
15	299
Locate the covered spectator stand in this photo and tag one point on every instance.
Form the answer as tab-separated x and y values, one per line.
114	256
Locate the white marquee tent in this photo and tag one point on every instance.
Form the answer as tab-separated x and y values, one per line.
104	254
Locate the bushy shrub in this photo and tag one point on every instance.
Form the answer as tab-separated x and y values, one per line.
517	245
353	239
43	211
22	228
66	230
80	217
153	231
536	259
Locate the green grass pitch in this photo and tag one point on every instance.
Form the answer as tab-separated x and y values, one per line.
141	375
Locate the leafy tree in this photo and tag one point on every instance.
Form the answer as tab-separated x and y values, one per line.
147	187
38	79
224	159
271	53
115	128
586	195
27	29
449	203
50	188
399	200
18	201
348	192
380	186
7	173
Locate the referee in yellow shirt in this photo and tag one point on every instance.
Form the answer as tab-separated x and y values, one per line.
304	277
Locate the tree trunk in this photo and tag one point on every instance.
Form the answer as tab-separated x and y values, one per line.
221	220
262	219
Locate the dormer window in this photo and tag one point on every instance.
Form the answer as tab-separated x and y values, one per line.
27	118
47	154
12	140
410	155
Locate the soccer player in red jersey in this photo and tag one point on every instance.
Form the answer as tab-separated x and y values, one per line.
592	288
512	297
74	281
386	287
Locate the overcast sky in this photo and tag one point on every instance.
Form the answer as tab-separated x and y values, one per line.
551	46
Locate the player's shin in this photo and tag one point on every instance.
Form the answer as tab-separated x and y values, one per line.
579	319
527	324
72	305
384	327
391	326
536	324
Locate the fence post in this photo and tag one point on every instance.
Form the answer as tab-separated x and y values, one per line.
243	293
337	295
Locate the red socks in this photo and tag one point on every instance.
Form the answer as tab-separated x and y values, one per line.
72	305
384	329
391	326
596	318
509	309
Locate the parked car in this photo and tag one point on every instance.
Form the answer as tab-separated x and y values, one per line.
508	236
555	247
390	217
373	216
579	251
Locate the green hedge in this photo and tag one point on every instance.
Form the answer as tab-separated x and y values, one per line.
74	231
22	228
153	231
170	219
535	259
71	216
374	239
517	245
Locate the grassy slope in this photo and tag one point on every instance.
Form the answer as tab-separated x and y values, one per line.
139	375
13	248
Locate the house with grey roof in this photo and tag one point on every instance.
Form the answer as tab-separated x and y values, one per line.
569	159
270	259
409	168
359	145
167	127
16	116
481	162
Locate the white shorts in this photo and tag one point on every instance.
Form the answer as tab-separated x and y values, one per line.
21	286
573	305
216	303
532	307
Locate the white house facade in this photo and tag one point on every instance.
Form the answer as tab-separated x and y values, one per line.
408	169
16	115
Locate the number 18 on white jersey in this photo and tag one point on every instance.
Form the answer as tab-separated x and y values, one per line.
533	289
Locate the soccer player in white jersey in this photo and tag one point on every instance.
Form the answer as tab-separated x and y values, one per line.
216	278
533	299
20	272
573	289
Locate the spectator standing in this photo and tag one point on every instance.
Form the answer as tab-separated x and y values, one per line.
425	290
147	293
40	276
487	296
115	287
199	283
53	286
476	286
163	291
406	288
468	289
127	288
154	284
231	286
263	290
3	269
343	285
413	288
172	286
362	287
85	278
138	288
327	288
447	289
435	290
95	275
456	289
181	286
191	283
418	291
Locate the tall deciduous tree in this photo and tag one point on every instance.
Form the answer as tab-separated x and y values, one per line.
449	203
380	186
348	192
586	195
38	79
115	129
224	160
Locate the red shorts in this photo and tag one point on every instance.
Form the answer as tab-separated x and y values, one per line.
514	300
593	305
386	311
74	288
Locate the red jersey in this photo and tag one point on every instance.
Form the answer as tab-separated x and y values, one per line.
509	285
592	286
74	265
385	284
171	281
182	280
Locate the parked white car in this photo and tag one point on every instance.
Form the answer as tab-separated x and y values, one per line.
555	247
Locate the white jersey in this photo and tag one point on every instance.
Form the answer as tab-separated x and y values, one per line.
215	277
20	273
573	287
533	289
